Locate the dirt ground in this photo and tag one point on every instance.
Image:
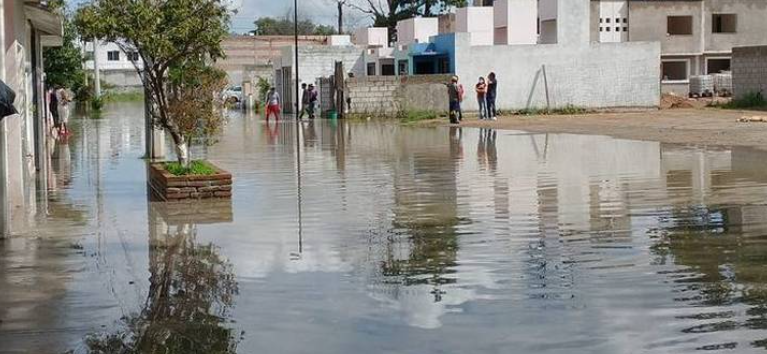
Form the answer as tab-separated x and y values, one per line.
703	126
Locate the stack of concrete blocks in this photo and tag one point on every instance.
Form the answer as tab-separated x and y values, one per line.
386	96
749	70
373	95
477	21
516	22
417	30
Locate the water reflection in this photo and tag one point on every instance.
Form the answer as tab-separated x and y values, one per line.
399	239
191	289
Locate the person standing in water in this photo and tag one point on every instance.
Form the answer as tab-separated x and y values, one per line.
312	101
304	101
454	97
481	88
62	95
492	93
273	104
53	107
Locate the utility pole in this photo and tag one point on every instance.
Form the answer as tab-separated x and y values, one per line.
340	16
96	71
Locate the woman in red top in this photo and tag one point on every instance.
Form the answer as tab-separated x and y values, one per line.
481	89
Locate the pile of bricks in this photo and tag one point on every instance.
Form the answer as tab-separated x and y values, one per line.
168	187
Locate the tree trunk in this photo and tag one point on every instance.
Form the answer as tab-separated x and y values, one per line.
182	151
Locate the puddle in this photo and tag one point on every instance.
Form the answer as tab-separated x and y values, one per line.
393	239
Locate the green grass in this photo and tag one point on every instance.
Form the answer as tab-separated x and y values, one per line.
752	100
196	168
131	96
566	110
412	116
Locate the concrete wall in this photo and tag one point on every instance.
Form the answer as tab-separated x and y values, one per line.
596	75
749	70
372	37
516	21
416	30
386	96
648	22
751	24
573	22
250	57
478	22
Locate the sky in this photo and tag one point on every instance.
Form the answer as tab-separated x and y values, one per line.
320	11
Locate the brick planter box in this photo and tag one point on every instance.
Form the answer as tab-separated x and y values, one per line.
164	186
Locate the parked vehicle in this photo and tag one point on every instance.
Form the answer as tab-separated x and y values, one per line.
233	94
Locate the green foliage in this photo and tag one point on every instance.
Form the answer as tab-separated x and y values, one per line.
63	65
176	41
263	88
388	13
752	100
566	110
130	96
196	168
411	116
270	26
97	103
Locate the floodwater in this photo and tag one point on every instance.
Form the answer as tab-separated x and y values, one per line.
379	238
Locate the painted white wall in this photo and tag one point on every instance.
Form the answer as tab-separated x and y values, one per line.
573	22
104	62
372	37
417	30
478	22
340	40
593	75
516	21
613	21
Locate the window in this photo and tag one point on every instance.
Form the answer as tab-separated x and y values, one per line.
625	29
371	69
679	25
387	69
725	23
717	65
674	70
625	20
133	56
607	20
113	55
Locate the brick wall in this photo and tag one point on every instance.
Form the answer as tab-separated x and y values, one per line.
749	70
388	95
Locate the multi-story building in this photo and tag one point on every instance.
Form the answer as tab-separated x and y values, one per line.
696	36
116	66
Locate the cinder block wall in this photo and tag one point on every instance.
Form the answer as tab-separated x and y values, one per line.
596	75
388	95
749	70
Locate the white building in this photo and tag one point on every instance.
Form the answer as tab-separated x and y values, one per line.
26	26
115	65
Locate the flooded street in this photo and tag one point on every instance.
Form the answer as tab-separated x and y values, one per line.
380	238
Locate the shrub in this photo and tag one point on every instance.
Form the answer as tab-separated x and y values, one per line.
750	100
197	168
409	116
